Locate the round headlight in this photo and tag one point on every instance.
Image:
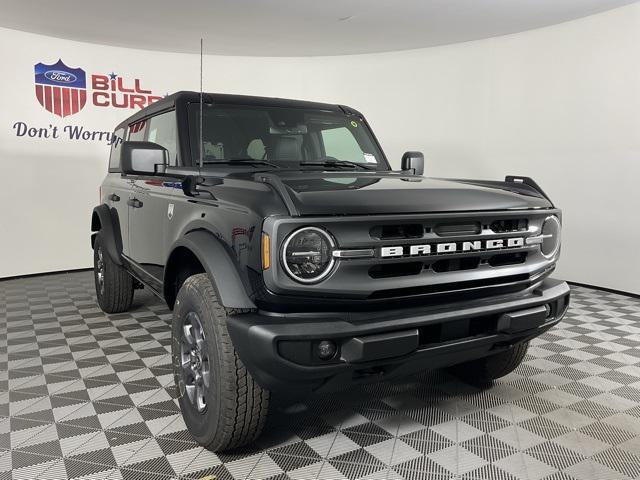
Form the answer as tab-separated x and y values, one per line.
307	254
551	230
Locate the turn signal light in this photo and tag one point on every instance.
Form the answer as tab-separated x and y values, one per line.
266	251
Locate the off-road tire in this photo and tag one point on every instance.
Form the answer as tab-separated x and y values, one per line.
487	369
115	290
236	406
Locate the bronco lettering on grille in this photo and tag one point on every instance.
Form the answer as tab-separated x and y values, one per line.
452	247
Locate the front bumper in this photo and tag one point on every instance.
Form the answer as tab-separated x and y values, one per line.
279	350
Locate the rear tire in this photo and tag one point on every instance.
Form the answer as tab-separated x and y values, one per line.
222	406
114	284
485	370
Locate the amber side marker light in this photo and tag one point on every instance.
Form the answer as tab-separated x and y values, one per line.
266	251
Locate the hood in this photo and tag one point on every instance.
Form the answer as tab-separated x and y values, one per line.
363	193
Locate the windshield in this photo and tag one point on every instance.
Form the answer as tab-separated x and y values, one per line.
284	137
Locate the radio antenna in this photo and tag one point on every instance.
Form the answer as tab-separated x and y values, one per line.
201	141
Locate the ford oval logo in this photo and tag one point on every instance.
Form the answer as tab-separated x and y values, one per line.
60	76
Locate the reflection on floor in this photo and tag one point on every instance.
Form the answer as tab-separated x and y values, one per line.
83	394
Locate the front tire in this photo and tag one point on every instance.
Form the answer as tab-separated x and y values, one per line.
485	370
222	406
114	285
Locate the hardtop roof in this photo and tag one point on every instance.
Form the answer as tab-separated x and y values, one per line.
170	102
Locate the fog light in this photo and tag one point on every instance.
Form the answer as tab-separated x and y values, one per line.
326	350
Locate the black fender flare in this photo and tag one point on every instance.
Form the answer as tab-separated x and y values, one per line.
218	264
109	225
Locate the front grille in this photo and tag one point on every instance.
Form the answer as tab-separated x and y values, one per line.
464	238
435	256
438	273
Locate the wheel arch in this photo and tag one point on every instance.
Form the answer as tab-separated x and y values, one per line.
200	251
103	220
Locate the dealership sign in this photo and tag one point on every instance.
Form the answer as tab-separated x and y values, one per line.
63	91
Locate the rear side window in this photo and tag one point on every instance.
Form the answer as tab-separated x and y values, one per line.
162	130
116	148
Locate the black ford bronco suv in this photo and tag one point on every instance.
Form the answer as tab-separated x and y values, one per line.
295	259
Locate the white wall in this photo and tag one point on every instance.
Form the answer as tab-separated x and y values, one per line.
560	104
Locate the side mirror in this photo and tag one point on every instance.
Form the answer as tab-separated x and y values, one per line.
413	162
143	158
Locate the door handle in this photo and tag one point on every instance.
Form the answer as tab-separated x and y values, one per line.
134	202
114	198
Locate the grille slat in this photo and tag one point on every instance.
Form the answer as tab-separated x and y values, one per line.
397	232
508	283
508	225
457	229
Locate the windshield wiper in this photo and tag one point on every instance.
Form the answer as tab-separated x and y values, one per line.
244	160
336	163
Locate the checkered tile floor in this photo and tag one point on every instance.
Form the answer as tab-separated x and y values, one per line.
84	394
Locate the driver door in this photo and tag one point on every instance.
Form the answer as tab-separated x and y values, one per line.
149	204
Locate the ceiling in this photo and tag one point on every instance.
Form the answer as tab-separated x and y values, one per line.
289	27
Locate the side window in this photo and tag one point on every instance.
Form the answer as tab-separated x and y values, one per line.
137	131
116	143
162	130
340	144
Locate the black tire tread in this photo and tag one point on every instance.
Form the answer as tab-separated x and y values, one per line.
118	284
493	367
505	364
244	405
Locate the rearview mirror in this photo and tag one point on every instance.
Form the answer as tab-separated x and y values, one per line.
413	162
143	158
